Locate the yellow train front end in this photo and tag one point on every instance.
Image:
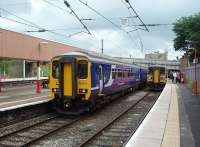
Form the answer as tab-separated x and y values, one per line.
70	82
156	77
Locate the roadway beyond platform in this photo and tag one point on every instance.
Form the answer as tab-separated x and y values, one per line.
17	97
172	122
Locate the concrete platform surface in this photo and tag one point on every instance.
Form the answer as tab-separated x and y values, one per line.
21	97
174	120
189	106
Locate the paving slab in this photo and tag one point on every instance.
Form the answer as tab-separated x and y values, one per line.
151	131
22	97
189	106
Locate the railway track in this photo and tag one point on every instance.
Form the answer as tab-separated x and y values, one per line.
29	135
114	129
19	115
118	130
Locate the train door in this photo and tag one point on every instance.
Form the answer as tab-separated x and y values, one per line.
100	79
67	78
156	75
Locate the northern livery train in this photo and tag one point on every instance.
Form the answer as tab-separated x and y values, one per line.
80	80
156	77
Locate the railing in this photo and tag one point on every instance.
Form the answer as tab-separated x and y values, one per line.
190	73
16	81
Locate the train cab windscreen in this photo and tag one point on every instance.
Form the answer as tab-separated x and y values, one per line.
55	69
150	70
82	69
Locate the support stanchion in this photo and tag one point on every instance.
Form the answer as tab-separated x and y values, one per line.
0	85
195	87
195	73
38	78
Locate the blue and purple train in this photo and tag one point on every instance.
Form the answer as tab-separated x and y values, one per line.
79	81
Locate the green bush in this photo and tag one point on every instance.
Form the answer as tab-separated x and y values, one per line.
190	84
44	72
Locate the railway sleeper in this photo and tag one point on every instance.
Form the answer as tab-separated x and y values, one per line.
120	127
106	142
111	138
120	130
130	123
112	134
27	134
7	143
14	138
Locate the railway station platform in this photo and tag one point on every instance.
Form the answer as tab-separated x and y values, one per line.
18	97
172	122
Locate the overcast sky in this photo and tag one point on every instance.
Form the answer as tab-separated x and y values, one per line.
116	41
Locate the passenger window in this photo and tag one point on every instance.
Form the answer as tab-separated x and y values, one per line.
125	74
55	69
120	74
82	69
114	74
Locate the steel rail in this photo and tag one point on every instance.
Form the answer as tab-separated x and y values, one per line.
37	138
50	133
137	126
87	140
28	127
13	122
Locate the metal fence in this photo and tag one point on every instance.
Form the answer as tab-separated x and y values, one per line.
190	73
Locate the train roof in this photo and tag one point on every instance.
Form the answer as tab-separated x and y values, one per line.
157	66
96	57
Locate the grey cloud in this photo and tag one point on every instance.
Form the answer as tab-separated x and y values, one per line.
16	6
116	41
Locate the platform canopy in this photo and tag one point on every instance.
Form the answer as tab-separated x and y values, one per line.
20	46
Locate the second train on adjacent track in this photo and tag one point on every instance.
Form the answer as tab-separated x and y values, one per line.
81	80
156	77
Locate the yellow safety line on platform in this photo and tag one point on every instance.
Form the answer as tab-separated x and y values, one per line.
5	103
172	131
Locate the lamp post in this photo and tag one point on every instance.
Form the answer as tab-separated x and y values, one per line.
195	72
102	41
38	82
0	84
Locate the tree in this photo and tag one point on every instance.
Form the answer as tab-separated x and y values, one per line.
187	30
4	65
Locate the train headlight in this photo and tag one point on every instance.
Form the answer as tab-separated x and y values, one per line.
67	105
149	78
55	90
82	90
